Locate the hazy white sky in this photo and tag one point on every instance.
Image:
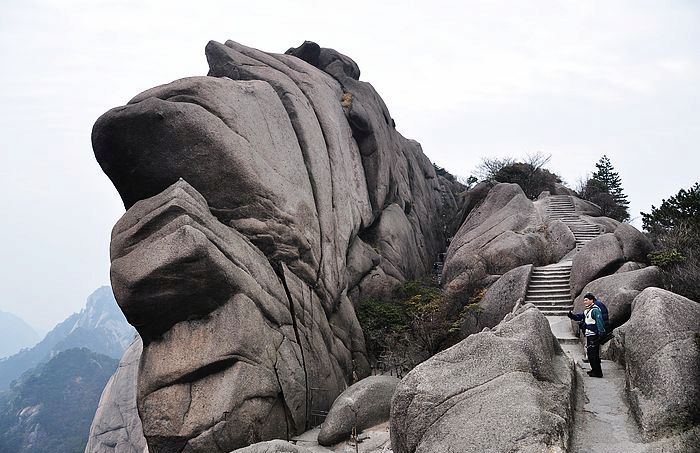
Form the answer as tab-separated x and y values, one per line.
574	79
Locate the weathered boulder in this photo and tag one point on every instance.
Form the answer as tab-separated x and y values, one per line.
272	446
630	266
560	238
504	232
660	349
617	291
599	257
299	193
606	224
497	302
116	427
502	390
635	245
585	207
561	189
608	253
364	404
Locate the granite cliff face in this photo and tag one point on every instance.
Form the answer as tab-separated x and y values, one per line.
260	200
266	198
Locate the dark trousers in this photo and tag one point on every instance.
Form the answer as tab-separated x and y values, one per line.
593	352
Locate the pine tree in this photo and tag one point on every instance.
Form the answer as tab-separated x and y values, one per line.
610	179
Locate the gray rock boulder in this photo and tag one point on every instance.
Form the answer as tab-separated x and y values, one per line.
260	198
116	427
617	291
362	405
502	390
504	232
586	208
606	224
606	254
560	239
561	189
630	266
497	302
660	349
599	257
635	245
272	446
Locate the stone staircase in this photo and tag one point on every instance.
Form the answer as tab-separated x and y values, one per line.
561	207
549	289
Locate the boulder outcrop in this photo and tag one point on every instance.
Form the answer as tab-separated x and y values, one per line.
607	253
494	391
260	199
362	405
617	291
660	349
506	230
116	426
497	302
601	256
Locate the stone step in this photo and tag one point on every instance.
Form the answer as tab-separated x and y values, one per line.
554	307
560	306
547	291
554	312
545	284
549	278
551	272
563	299
549	283
545	269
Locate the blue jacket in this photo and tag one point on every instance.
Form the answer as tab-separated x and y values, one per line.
591	320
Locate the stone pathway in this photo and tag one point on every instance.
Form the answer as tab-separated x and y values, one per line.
549	289
602	421
561	207
371	440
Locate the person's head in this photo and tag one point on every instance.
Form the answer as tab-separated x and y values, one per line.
588	300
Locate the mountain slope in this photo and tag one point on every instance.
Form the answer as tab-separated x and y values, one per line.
49	408
15	334
100	326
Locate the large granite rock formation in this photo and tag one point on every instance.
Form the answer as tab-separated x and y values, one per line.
660	349
509	389
497	302
260	199
506	230
605	254
617	291
117	426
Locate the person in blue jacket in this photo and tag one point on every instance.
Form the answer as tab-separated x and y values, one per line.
594	328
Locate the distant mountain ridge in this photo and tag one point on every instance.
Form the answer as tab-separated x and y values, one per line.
100	327
15	334
50	407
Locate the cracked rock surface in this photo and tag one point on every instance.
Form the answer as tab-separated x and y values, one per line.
117	426
261	200
507	389
503	231
660	349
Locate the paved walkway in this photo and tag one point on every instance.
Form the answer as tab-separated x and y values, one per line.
602	421
371	440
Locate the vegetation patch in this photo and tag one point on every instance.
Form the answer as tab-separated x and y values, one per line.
674	229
